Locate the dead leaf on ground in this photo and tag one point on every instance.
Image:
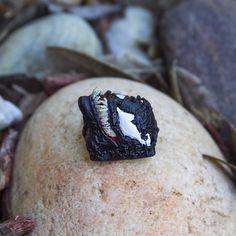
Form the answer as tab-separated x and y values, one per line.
152	74
218	161
61	60
174	84
16	227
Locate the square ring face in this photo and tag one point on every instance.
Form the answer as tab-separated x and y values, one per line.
118	127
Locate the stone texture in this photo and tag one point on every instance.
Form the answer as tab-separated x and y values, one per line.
24	50
200	35
176	192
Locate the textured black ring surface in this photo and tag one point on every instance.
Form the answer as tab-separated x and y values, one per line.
104	138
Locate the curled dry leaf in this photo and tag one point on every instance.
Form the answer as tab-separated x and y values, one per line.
218	161
152	74
174	85
195	96
218	139
61	60
16	227
200	101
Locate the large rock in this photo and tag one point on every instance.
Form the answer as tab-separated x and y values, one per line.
174	193
201	36
24	50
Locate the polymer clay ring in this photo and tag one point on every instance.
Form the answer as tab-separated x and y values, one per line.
118	127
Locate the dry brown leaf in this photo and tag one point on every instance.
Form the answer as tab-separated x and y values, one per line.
214	159
174	84
16	227
152	74
61	60
196	97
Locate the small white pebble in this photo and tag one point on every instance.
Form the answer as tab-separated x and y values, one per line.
9	113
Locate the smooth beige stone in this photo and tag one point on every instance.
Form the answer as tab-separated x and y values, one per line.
176	192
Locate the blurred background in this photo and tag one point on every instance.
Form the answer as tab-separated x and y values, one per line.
184	48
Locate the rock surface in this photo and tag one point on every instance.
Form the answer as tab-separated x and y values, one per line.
200	35
176	192
23	51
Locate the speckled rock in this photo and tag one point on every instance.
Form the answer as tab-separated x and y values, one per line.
24	49
176	192
200	35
